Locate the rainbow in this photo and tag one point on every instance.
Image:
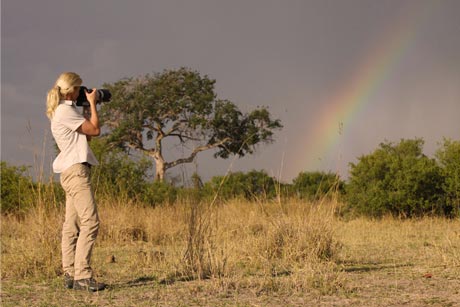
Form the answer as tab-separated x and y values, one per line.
357	92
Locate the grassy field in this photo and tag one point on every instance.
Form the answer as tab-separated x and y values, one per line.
237	254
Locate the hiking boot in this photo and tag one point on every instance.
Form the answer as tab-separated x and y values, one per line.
88	284
68	281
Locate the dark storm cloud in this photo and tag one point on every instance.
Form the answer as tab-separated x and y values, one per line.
289	55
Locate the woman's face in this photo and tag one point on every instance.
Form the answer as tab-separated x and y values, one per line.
75	93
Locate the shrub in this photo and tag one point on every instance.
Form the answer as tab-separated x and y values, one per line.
16	189
158	193
254	185
397	179
118	174
449	159
316	185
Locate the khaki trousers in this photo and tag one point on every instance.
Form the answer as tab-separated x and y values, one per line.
81	223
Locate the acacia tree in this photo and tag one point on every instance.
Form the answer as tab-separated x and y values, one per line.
181	106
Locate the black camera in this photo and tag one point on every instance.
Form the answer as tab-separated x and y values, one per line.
102	95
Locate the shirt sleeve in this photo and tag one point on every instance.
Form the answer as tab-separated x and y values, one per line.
69	117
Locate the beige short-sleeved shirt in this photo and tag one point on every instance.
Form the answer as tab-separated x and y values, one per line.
72	144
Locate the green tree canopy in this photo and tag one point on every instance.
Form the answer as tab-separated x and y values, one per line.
181	106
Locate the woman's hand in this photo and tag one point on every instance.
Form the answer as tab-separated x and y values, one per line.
90	126
91	97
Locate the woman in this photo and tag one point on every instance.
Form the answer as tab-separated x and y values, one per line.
72	131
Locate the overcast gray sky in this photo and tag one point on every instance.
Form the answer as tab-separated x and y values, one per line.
384	70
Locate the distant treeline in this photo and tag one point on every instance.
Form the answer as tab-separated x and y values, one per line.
396	179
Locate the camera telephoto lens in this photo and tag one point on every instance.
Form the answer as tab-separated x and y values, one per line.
102	95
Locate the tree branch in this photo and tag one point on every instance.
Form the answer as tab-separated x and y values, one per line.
181	136
194	153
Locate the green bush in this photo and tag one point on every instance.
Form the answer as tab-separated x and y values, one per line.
316	185
254	185
449	159
16	189
158	193
397	179
118	174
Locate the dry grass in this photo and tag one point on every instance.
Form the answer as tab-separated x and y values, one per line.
201	240
427	240
238	254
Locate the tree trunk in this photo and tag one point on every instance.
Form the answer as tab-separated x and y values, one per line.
160	167
158	156
160	170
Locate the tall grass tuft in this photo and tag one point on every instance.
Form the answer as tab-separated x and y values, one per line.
204	257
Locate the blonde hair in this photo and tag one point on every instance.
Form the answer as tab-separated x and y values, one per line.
65	84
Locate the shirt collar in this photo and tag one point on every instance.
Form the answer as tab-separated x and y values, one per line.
67	102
